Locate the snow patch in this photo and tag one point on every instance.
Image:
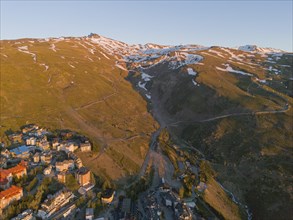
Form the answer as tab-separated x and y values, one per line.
53	47
71	65
142	85
58	39
90	58
233	56
230	69
120	67
46	66
148	96
105	55
180	59
191	72
261	80
49	80
260	50
24	49
195	83
91	50
146	77
216	52
248	48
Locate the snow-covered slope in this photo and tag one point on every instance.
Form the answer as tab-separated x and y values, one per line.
149	54
254	48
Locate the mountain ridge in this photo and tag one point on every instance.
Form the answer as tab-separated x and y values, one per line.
245	48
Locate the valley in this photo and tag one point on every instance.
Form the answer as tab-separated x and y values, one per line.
149	109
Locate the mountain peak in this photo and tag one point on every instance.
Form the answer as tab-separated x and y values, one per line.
93	35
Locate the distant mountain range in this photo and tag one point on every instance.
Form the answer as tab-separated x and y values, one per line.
233	105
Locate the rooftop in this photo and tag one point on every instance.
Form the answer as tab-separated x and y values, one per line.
4	173
20	150
10	192
64	162
17	169
82	171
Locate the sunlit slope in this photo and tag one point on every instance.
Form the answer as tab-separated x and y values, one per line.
69	84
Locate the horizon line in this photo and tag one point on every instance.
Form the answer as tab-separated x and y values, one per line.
177	44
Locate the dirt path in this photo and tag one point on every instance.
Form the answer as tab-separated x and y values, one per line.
103	99
85	125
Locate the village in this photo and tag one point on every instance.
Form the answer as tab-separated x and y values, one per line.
39	159
41	177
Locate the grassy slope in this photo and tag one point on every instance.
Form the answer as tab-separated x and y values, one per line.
111	111
216	197
251	154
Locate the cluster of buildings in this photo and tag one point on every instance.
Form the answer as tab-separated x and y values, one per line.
180	209
171	200
32	138
36	147
166	200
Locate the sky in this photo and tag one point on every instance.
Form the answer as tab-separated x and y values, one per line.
208	23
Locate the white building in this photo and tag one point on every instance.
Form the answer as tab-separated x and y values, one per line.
31	141
67	147
64	165
85	147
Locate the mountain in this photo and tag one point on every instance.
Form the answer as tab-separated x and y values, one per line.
69	83
229	106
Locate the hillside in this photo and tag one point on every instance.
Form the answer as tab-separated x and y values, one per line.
235	107
69	84
232	105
